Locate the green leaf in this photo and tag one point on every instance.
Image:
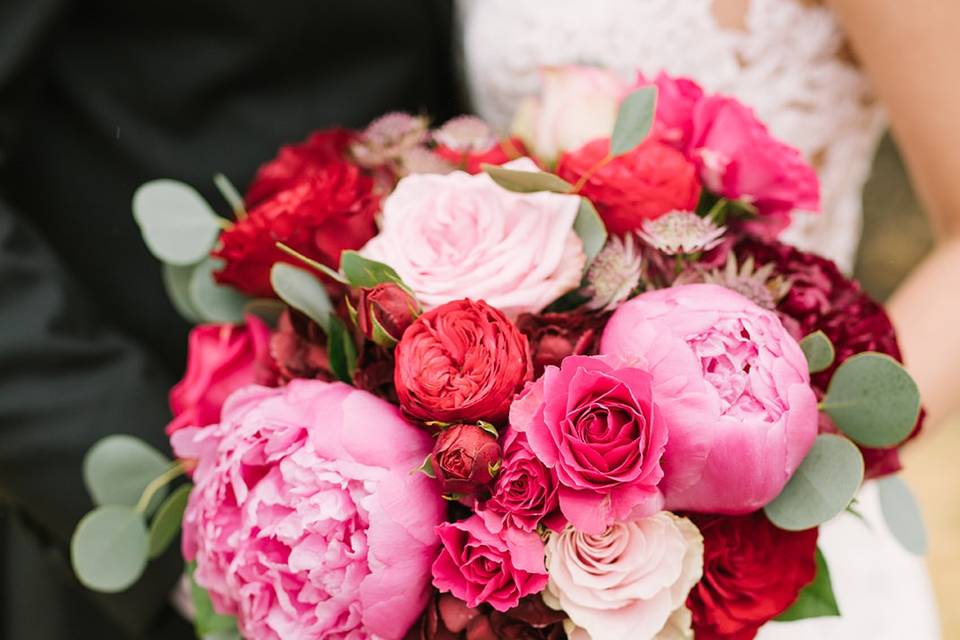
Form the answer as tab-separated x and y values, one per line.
118	468
590	228
109	548
822	486
310	262
873	400
527	181
301	290
166	523
177	224
267	309
176	280
215	302
634	120
902	514
816	600
427	467
340	350
363	272
818	350
230	194
208	622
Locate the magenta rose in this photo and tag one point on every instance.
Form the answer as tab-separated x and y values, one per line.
676	100
598	427
465	458
479	566
734	387
305	520
221	358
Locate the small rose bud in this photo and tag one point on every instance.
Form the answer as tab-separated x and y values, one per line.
465	457
384	312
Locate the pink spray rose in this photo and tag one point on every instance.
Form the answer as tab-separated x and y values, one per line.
477	565
739	159
733	386
599	428
463	236
221	358
676	100
305	520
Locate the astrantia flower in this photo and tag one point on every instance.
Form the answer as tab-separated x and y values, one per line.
422	160
681	232
388	137
465	134
614	273
759	286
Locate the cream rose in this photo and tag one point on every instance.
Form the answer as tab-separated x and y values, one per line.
626	583
460	236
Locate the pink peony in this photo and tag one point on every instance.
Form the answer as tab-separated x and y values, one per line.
739	159
221	358
599	428
733	387
305	519
463	236
479	566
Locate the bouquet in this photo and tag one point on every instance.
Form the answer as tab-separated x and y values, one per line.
565	383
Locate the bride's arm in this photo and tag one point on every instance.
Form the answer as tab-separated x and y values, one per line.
911	52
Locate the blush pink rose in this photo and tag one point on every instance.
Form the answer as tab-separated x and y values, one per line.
305	520
626	582
676	100
460	236
221	358
479	566
739	159
598	427
733	386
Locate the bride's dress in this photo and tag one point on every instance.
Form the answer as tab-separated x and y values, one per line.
788	61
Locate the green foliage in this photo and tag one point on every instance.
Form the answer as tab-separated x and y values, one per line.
341	350
301	290
166	523
176	280
177	224
634	120
118	468
902	514
816	600
818	350
109	548
207	621
363	272
590	228
527	181
215	302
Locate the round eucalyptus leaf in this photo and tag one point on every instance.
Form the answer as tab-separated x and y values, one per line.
634	120
118	468
302	290
873	400
821	487
177	224
109	548
176	280
902	514
527	181
590	229
215	302
166	523
818	351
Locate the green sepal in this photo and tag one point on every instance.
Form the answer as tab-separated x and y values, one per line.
816	600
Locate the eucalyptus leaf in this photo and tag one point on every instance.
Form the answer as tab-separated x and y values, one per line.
821	487
215	302
166	523
340	350
527	181
176	280
206	621
118	468
590	228
873	400
363	272
109	548
177	224
818	350
816	600
902	514
634	120
231	195
301	290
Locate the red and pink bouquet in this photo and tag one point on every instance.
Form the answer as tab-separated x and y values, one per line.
561	384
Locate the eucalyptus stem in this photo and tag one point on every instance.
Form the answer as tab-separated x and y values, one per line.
175	471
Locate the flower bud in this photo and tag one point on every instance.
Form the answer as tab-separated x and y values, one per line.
465	457
384	312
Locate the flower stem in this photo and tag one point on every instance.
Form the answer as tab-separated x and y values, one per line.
591	172
176	470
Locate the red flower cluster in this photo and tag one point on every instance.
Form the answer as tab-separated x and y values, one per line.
447	618
554	336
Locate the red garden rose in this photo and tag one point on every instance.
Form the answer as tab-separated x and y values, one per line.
295	162
327	209
388	305
461	362
752	572
465	458
821	297
554	336
646	183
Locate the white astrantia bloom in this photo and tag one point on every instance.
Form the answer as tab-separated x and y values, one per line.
465	133
614	273
681	232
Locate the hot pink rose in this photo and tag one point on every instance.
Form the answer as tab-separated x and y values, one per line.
479	566
305	519
676	100
221	358
463	236
738	158
599	428
733	386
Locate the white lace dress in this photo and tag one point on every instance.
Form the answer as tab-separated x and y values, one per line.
788	63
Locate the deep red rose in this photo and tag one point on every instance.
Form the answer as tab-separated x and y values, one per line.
821	297
554	336
326	211
752	572
461	362
447	618
653	179
465	458
388	305
297	161
471	161
298	348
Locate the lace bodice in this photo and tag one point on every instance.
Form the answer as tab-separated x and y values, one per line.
788	62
